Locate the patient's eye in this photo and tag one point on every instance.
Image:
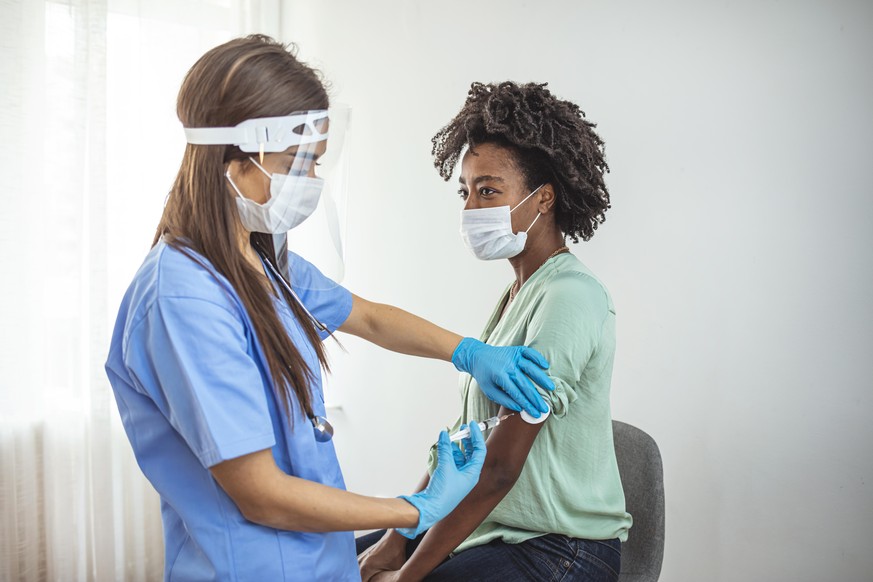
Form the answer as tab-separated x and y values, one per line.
483	191
462	193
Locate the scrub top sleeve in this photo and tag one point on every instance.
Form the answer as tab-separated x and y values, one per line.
191	357
328	301
566	328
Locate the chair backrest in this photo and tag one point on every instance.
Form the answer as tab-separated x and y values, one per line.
642	476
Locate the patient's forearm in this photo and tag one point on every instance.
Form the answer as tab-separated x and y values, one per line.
447	534
508	447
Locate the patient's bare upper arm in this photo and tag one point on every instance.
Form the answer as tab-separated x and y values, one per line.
508	446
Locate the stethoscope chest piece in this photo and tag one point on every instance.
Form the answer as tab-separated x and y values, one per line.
322	428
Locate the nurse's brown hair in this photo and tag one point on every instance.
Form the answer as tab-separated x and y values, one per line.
242	79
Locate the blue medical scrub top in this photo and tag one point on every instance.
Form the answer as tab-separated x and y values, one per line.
193	389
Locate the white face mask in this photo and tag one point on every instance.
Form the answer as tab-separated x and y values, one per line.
487	232
292	200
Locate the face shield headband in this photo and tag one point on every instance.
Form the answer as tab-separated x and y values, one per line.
266	134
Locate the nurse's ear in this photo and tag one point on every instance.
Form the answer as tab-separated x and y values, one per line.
547	198
249	182
238	168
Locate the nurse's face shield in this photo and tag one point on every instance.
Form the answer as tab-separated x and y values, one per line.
303	159
305	143
320	239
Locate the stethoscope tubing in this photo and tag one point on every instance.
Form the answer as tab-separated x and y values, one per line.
322	427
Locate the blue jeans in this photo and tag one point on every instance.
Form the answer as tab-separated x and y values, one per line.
551	557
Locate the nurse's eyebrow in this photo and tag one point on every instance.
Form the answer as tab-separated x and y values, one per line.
478	179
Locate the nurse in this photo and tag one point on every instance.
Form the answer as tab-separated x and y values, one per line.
216	353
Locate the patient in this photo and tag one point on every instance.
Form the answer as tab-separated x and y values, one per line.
549	503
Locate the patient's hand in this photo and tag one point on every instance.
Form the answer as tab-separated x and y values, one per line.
386	576
379	561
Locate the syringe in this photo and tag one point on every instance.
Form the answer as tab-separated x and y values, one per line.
484	425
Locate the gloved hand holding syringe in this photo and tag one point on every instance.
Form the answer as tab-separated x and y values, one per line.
490	423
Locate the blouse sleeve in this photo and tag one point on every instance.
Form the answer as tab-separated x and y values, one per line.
566	328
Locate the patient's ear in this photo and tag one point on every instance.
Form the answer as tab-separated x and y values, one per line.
547	198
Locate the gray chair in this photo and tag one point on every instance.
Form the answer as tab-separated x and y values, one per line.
642	476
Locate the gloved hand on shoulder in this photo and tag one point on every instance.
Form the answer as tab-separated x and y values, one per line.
504	373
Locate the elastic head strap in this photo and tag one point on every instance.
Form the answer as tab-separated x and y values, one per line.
265	134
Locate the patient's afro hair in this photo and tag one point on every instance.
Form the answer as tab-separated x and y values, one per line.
550	139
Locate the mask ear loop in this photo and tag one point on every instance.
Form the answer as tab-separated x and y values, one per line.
260	167
534	222
233	185
528	196
525	200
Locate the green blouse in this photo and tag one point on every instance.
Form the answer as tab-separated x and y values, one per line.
570	482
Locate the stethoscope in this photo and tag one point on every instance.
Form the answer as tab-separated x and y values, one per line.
321	427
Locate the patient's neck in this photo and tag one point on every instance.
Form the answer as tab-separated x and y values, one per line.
540	245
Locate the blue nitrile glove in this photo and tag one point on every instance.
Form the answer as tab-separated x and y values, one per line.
462	456
504	373
449	483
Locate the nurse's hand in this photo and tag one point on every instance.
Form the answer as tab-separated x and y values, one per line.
449	484
504	373
460	455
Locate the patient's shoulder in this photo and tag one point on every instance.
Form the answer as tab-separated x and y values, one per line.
575	288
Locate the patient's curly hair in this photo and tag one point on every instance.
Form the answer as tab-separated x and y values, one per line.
550	139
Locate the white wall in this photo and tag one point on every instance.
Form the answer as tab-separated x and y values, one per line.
737	249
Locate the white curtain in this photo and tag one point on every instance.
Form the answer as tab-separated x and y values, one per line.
89	144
